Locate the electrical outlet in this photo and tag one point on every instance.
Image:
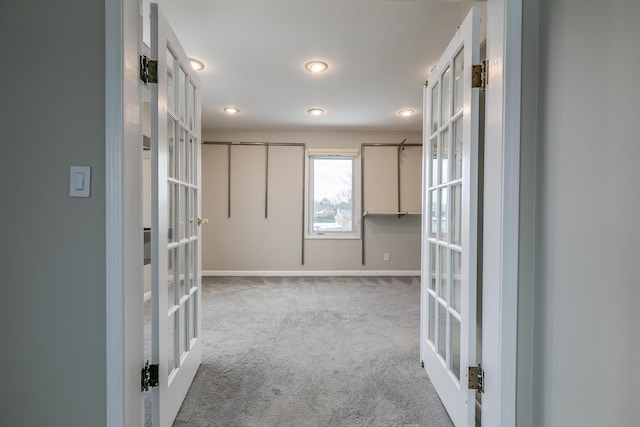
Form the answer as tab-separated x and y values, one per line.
386	256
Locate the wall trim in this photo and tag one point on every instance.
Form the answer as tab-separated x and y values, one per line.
510	232
310	273
114	171
123	185
501	212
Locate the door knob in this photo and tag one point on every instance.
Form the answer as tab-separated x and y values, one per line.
202	221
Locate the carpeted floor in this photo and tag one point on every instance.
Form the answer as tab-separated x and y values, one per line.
323	351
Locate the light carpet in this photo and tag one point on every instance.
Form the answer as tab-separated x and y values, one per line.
311	351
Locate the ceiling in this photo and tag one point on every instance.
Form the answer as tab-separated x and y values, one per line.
379	54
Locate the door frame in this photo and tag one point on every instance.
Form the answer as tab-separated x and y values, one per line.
501	218
501	211
124	246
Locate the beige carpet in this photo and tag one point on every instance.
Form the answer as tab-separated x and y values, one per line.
324	351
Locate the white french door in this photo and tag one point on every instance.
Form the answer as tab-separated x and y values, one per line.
449	240
175	239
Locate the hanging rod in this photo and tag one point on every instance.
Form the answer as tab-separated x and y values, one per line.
388	144
273	144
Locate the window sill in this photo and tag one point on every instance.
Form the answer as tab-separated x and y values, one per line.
333	236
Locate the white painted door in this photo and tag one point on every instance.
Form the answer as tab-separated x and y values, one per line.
449	240
175	240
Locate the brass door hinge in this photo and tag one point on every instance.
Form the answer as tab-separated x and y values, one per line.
480	75
148	70
149	376
476	378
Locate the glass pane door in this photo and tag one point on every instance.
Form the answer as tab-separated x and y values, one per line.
175	125
449	229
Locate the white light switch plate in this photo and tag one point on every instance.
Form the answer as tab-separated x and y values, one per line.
80	181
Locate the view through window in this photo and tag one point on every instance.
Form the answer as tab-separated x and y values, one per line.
332	194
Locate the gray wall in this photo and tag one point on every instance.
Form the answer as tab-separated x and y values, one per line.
52	309
587	206
248	242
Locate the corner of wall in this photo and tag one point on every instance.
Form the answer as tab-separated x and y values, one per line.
526	382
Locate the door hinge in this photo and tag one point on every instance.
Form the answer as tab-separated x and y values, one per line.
149	376
148	70
476	378
480	75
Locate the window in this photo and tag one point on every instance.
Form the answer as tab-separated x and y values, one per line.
332	203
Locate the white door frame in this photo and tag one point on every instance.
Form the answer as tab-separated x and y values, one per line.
124	247
501	195
501	212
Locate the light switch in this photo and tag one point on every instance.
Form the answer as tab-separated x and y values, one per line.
80	181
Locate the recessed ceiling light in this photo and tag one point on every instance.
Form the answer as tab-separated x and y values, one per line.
316	111
231	110
196	65
407	112
316	66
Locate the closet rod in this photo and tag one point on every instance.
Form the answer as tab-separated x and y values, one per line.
232	143
273	144
382	144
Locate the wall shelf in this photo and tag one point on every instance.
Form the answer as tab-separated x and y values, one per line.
399	214
392	186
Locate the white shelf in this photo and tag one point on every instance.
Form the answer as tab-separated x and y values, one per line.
366	213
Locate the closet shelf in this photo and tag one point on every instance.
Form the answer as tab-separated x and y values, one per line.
399	214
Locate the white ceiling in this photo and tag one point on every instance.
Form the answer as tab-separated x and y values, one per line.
379	54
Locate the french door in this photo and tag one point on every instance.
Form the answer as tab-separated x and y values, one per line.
449	240
175	150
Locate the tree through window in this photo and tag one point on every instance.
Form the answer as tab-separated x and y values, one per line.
331	194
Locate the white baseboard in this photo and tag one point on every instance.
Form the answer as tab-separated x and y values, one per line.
311	273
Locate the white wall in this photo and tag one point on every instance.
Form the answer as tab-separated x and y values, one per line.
247	241
527	216
52	308
587	288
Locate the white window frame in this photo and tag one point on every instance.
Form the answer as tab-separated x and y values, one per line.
328	153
